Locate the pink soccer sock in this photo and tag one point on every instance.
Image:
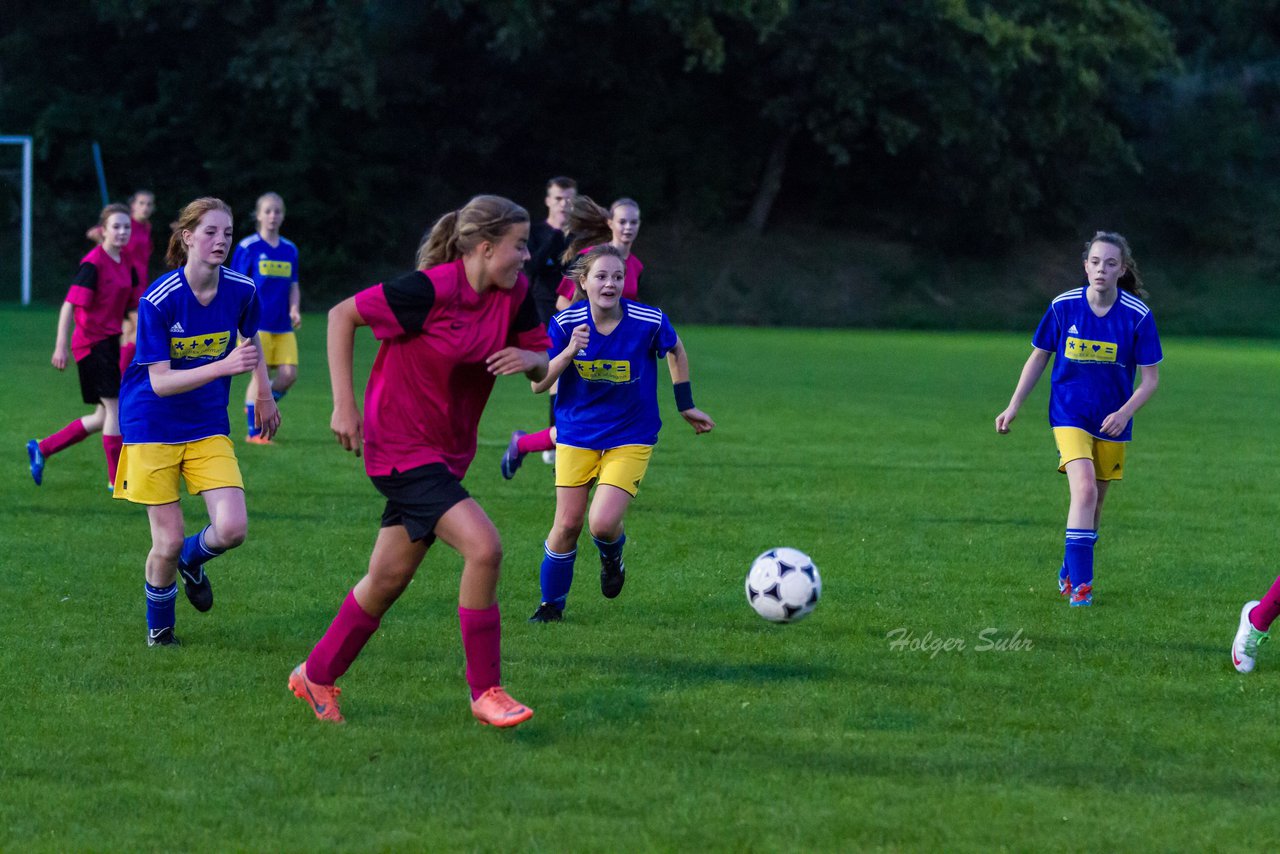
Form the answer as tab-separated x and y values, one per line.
111	446
540	441
482	646
126	356
64	438
1265	612
347	635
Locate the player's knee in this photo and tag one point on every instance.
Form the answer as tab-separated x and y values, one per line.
487	554
231	533
606	530
567	531
167	546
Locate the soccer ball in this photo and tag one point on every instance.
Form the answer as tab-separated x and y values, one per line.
783	585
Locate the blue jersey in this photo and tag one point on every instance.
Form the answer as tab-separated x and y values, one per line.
273	269
609	396
173	326
1095	359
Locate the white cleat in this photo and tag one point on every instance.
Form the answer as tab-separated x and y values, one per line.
1244	650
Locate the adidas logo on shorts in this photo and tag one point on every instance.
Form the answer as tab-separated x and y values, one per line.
177	327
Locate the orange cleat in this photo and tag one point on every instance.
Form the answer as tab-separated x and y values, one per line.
496	708
258	440
323	699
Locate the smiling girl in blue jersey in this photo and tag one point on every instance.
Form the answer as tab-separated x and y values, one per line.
1100	336
173	409
606	416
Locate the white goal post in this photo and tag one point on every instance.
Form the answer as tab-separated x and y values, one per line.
25	142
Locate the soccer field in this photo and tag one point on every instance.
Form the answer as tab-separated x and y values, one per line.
674	718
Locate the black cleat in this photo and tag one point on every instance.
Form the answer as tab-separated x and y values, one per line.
197	586
612	575
162	637
547	613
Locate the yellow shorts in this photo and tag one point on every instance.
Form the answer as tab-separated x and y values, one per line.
1077	444
623	467
148	473
279	348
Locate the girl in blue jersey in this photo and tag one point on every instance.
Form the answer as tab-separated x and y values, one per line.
271	260
173	409
1100	336
606	417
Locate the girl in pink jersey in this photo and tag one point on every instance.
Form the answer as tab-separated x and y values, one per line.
138	253
446	330
103	292
590	225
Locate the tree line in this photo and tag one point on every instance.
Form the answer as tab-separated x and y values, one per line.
947	124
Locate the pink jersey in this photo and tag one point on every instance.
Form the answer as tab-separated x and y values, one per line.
630	281
138	250
429	383
103	292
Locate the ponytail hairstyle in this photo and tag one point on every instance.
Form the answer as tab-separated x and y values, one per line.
582	266
457	233
1131	281
587	224
187	221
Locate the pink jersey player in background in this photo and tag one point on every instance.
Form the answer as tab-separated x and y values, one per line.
105	290
588	225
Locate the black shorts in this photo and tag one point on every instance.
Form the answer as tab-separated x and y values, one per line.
418	498
100	371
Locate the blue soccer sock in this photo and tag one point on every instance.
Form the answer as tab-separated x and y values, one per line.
276	395
248	415
613	549
556	576
160	606
1078	557
196	552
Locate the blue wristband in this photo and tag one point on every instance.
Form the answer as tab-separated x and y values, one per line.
684	397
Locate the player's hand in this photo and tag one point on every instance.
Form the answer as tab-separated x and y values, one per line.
579	339
512	360
700	420
295	317
243	359
59	358
266	415
1113	425
1004	419
347	429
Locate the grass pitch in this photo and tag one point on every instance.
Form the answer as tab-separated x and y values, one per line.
673	718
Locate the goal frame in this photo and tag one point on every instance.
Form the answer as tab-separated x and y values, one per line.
26	143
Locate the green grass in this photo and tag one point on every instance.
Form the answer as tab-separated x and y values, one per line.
673	718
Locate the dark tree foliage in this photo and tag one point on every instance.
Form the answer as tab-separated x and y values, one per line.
939	122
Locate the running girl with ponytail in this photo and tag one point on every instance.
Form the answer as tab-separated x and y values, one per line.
588	225
446	330
1100	337
173	409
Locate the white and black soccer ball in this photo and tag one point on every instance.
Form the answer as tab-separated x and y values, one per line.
783	585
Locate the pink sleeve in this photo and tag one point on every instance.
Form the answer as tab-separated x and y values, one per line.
79	296
534	339
566	288
376	311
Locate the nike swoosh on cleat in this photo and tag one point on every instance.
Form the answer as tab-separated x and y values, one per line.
318	706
